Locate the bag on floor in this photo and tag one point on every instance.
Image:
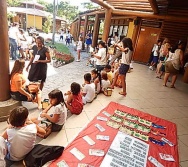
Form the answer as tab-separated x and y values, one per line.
41	154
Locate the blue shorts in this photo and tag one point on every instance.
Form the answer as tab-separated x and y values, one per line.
123	69
155	59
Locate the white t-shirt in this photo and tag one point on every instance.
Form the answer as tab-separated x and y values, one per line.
105	84
126	57
3	151
101	53
79	45
89	89
21	141
13	33
155	50
68	36
62	111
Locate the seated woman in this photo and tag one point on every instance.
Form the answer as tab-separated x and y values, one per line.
19	91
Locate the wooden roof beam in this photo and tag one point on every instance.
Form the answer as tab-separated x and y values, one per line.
103	4
149	15
154	6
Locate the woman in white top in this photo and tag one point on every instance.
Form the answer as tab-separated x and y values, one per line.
79	48
101	56
173	64
127	51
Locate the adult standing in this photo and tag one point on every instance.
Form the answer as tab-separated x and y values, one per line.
88	41
13	37
38	62
101	56
173	64
68	38
127	51
61	35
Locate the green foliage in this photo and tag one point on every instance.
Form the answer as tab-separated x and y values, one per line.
42	2
88	5
60	47
64	10
13	3
47	25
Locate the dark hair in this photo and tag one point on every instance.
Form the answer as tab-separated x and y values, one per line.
56	94
121	37
18	67
41	39
104	75
103	44
108	67
75	88
116	33
95	71
127	43
18	116
159	41
87	77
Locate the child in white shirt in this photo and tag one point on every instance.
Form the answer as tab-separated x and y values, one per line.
88	92
79	48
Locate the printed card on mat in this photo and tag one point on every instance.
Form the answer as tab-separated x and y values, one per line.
62	164
77	154
89	140
126	151
96	152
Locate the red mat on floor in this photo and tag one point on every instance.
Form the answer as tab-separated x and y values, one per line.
92	131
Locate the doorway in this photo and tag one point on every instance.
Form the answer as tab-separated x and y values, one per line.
148	36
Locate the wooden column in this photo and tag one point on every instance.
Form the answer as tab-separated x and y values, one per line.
107	21
4	54
79	25
95	31
85	27
136	34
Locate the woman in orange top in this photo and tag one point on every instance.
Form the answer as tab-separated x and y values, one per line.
18	88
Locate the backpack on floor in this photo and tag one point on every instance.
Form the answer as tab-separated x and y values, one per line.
41	154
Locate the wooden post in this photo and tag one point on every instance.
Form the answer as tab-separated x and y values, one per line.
135	34
85	27
79	25
107	22
4	54
95	31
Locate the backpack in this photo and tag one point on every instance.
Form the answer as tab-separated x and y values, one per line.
41	154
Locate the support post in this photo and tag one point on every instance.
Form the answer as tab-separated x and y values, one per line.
107	22
54	22
85	27
4	54
79	25
95	31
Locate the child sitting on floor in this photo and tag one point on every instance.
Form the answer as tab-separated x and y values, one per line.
105	83
74	100
59	115
88	92
21	137
96	79
108	70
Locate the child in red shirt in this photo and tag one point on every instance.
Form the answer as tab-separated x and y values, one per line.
74	101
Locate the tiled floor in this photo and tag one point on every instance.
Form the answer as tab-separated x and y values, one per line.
144	92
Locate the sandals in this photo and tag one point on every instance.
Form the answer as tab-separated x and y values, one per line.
172	86
165	85
122	93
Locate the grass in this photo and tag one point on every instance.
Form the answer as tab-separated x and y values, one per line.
60	47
